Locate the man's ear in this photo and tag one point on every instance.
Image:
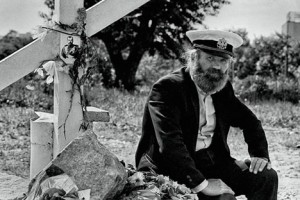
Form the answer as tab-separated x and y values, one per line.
194	56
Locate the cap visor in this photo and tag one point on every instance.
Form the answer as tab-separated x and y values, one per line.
217	52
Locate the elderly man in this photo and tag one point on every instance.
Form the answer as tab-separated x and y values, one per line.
186	123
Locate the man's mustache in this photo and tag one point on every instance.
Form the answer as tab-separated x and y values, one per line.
211	74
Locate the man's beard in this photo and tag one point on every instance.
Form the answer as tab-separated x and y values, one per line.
210	81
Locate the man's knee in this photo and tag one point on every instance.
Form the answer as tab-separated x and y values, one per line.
266	182
270	176
265	185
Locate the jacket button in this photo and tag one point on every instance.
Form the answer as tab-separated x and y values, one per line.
189	178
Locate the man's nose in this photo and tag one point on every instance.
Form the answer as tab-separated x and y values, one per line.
217	66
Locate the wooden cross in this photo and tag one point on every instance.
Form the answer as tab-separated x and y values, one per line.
29	58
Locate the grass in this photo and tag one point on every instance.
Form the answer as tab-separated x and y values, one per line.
281	122
277	114
121	134
15	140
126	109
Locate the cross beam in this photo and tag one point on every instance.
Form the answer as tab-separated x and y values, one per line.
25	60
107	12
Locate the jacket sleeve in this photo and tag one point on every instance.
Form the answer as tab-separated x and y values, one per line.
164	107
241	116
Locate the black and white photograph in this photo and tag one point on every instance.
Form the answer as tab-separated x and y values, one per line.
70	49
150	100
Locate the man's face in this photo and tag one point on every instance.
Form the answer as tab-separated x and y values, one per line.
70	40
210	72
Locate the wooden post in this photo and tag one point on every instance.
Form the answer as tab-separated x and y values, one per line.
67	111
41	140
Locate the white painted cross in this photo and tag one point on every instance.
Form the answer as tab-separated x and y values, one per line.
29	58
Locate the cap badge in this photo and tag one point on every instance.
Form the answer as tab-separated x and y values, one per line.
222	43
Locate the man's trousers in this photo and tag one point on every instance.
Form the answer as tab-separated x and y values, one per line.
260	186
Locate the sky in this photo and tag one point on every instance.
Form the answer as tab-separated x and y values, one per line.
258	17
20	15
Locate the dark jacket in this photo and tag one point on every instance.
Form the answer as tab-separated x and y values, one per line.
170	128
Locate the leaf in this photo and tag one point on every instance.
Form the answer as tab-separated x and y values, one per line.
154	189
147	195
164	188
30	87
160	179
174	184
171	192
49	79
182	189
39	71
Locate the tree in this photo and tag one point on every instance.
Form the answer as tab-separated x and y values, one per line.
269	56
13	41
275	63
278	55
244	58
158	26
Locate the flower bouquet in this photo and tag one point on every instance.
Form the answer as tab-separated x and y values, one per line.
151	186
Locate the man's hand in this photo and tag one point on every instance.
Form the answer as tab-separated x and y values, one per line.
216	187
258	164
